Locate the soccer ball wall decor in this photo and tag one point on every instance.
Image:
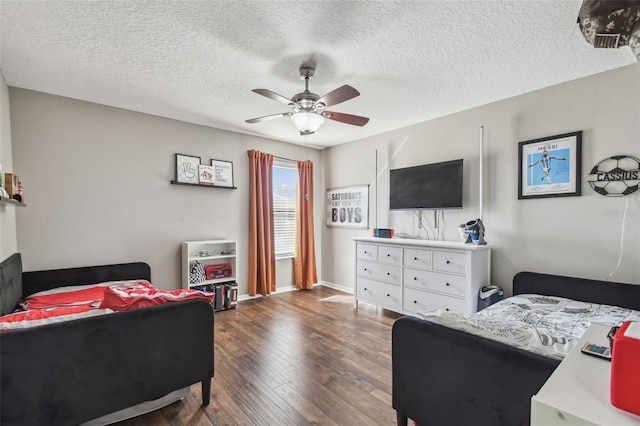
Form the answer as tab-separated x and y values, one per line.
616	176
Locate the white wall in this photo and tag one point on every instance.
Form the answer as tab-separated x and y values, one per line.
579	236
96	181
8	238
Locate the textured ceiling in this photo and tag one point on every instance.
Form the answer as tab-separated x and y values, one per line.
197	61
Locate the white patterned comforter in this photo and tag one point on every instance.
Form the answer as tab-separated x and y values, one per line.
546	325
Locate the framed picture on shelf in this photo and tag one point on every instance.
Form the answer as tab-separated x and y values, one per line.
222	173
550	167
205	174
187	169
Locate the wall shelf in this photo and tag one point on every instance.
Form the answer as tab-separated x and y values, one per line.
5	200
173	182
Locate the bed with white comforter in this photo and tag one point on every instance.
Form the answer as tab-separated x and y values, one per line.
546	325
483	368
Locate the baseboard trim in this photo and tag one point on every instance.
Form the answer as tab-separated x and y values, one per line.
245	297
337	287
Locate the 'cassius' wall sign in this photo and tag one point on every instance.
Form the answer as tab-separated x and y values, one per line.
616	176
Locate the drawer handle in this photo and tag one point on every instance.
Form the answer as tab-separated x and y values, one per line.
448	284
448	262
388	255
388	273
447	309
415	278
415	258
365	289
388	295
365	252
365	269
415	301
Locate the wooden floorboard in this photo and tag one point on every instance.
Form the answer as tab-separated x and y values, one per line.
293	359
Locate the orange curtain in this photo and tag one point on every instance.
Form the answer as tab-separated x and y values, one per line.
262	257
305	261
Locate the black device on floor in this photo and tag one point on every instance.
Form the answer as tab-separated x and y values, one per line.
601	352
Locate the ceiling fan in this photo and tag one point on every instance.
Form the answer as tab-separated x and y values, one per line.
309	109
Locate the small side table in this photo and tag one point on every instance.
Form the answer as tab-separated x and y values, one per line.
577	393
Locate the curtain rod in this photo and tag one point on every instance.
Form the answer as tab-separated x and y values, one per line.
284	158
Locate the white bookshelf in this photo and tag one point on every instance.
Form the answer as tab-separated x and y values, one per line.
208	252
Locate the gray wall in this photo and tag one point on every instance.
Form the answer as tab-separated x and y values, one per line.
578	236
96	181
8	237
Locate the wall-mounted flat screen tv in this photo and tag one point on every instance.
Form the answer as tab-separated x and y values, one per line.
429	186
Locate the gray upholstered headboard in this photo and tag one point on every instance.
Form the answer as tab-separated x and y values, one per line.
582	289
10	283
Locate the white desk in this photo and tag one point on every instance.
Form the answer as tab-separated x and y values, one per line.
577	393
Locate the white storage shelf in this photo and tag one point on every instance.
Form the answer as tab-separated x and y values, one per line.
220	252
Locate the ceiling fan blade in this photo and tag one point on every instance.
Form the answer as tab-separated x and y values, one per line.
356	120
272	95
341	94
268	117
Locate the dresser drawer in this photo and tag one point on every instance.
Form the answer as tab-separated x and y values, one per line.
417	258
448	261
391	255
454	285
378	293
416	301
378	271
367	251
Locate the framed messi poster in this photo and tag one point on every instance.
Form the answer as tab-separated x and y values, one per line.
550	167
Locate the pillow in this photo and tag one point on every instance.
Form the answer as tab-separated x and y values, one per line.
26	319
79	295
143	294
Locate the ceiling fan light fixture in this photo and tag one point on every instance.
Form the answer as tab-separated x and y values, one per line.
309	109
307	122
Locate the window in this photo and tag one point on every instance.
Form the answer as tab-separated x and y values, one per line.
285	181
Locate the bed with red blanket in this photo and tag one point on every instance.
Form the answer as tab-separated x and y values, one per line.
79	344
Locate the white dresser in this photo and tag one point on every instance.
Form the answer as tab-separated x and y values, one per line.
409	276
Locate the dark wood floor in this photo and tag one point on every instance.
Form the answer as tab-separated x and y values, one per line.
292	359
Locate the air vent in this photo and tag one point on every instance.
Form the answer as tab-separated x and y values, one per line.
606	41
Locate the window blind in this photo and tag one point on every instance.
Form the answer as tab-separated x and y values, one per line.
284	210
